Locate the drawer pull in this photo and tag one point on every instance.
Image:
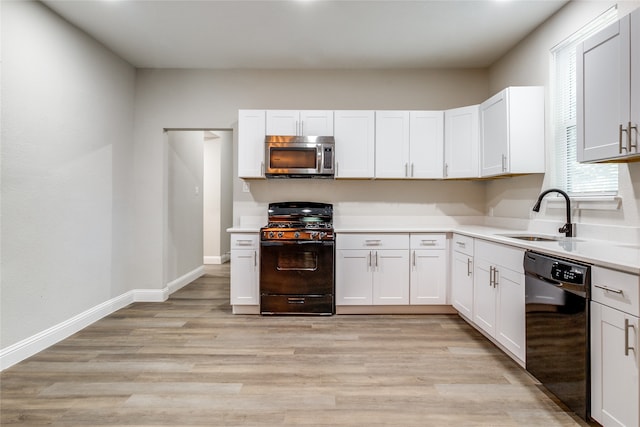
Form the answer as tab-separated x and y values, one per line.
468	267
608	289
245	242
461	244
430	242
372	242
627	325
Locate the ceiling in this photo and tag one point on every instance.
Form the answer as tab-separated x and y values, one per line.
329	34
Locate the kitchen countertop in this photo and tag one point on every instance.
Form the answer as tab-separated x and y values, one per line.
618	256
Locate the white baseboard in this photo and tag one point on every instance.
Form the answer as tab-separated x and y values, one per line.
216	259
26	348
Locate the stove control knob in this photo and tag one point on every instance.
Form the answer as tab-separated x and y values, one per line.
296	234
323	235
280	234
271	234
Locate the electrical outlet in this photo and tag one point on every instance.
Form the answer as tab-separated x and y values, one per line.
245	187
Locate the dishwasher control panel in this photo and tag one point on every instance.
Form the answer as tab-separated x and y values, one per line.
567	273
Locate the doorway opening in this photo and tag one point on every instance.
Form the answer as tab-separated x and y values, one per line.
198	199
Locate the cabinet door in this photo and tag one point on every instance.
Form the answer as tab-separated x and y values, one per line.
603	76
428	280
510	311
635	78
355	143
494	119
244	277
283	122
461	143
484	297
316	123
462	284
392	144
615	391
390	277
251	133
353	277
426	144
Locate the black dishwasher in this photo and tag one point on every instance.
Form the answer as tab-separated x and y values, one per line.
557	293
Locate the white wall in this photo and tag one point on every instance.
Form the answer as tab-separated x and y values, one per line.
529	64
67	121
184	220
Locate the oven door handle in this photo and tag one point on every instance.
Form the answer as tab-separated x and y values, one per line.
297	242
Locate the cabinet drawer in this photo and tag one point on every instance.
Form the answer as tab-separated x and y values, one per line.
372	241
616	289
245	241
502	255
428	241
462	244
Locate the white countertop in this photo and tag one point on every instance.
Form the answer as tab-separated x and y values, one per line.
618	256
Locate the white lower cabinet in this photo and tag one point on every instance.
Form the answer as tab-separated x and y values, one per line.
428	278
245	269
372	269
498	295
462	275
615	355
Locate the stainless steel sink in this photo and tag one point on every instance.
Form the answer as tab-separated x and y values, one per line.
533	237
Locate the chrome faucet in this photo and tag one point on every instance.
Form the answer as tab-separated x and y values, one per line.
567	229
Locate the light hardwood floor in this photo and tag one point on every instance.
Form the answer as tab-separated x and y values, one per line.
190	362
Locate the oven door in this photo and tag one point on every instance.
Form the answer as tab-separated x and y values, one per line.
296	267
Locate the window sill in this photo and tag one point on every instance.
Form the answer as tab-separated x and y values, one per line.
593	203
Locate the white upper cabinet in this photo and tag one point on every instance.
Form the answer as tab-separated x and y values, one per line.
512	132
409	144
251	134
355	143
461	139
426	144
300	122
608	92
392	144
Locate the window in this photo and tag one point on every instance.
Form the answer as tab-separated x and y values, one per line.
575	178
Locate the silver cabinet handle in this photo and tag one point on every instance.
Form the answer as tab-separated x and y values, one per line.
406	169
503	161
255	258
446	170
608	289
428	242
496	278
620	145
468	267
461	244
493	276
372	242
627	325
411	170
244	242
376	259
413	262
629	138
301	127
262	168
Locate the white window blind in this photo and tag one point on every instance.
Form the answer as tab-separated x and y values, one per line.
575	178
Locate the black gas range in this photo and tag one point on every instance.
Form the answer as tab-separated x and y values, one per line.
297	259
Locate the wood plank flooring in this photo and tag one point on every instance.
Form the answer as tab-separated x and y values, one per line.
190	362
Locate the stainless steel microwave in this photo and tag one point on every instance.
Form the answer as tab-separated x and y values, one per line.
299	156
